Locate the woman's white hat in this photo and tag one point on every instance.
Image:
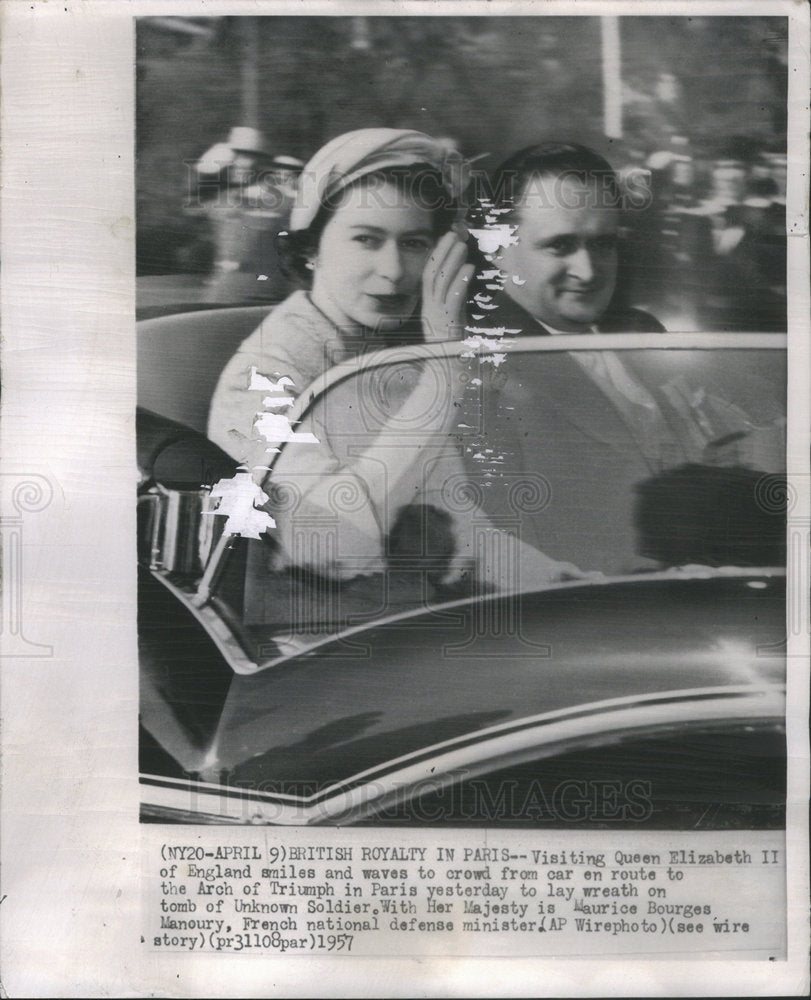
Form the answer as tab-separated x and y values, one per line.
353	155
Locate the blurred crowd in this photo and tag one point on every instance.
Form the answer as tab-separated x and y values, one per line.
707	249
704	230
243	193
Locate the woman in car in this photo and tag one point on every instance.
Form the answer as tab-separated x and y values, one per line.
373	208
374	467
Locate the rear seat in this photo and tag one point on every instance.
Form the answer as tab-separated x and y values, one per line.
180	359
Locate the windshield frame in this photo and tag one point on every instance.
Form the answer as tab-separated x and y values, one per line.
534	342
203	602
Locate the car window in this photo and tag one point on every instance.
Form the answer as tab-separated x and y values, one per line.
499	468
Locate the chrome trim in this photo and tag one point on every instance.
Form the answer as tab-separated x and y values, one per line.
149	535
216	629
507	744
213	568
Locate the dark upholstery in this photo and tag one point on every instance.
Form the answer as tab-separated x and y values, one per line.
176	456
180	359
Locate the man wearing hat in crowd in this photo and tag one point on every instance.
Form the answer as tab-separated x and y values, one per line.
252	196
266	206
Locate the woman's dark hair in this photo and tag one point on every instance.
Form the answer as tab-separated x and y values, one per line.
423	183
552	159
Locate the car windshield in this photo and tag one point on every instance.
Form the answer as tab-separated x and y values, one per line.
509	467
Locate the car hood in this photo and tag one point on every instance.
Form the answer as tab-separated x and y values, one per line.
380	693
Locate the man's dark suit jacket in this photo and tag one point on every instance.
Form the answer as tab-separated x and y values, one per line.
509	313
549	420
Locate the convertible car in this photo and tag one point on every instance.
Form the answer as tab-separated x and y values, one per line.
607	648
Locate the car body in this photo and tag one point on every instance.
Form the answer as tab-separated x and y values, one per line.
651	696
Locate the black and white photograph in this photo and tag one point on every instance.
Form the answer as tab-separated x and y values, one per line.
462	414
404	498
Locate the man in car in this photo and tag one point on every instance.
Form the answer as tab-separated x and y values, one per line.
527	475
594	424
559	276
558	208
555	211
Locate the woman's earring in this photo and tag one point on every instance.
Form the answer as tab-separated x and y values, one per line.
310	265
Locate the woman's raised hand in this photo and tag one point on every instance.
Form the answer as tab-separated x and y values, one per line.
444	290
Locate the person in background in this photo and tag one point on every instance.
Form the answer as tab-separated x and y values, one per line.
275	186
245	193
266	207
752	259
671	242
746	274
227	168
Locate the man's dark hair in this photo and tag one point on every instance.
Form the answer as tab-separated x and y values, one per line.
553	159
